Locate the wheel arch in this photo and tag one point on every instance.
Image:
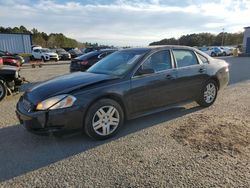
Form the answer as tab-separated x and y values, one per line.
214	78
117	98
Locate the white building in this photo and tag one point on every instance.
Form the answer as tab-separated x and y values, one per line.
15	42
246	41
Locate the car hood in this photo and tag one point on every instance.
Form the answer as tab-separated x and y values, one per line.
64	84
63	53
51	53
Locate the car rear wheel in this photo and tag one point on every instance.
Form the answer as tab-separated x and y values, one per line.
213	54
208	94
3	90
103	119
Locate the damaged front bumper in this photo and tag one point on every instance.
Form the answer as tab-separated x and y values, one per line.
42	122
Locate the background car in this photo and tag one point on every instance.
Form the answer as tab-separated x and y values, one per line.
11	59
212	51
75	53
85	61
44	54
8	60
10	80
218	51
208	51
227	50
127	84
63	55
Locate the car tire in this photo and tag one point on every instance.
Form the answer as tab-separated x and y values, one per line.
213	54
3	90
224	54
98	124
43	59
208	93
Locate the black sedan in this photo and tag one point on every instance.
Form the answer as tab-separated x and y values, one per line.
75	53
83	62
127	84
63	55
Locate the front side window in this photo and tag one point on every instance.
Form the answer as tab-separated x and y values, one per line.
159	61
46	50
185	58
202	58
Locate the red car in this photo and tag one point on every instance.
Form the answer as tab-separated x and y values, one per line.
8	60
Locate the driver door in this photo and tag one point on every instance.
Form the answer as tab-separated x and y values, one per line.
151	91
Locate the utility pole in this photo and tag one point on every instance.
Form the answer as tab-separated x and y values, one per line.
222	40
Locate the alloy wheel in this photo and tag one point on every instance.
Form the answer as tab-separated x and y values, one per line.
106	120
210	93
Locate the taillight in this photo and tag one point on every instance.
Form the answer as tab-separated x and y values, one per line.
83	62
1	61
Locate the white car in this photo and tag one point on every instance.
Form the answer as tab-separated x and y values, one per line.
227	50
44	54
208	51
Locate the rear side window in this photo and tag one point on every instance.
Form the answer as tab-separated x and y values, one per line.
185	58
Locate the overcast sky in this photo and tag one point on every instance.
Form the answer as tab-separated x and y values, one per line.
126	22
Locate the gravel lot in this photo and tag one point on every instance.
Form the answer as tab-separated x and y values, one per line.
184	147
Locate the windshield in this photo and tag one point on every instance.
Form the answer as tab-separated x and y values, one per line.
117	63
46	50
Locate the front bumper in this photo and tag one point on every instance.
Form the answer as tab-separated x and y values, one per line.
50	120
64	57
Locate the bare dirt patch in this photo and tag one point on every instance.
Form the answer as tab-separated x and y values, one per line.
219	134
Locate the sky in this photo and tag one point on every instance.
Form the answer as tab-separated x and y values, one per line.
126	22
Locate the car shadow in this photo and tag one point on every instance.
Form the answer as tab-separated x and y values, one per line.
22	152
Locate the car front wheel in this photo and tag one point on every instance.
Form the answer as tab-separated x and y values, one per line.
208	94
103	119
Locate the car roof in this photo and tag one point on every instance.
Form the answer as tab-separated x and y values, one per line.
93	53
161	47
151	48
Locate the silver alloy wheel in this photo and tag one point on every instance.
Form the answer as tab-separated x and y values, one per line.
106	120
210	93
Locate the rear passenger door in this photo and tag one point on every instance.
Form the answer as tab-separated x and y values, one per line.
191	73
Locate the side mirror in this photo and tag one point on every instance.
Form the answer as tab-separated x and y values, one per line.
145	71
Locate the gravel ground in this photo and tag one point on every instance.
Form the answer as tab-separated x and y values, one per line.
184	147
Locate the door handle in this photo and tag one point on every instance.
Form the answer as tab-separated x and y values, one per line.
201	70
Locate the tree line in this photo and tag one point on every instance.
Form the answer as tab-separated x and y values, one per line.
204	39
52	40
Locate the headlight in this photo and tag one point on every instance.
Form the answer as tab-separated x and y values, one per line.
58	102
